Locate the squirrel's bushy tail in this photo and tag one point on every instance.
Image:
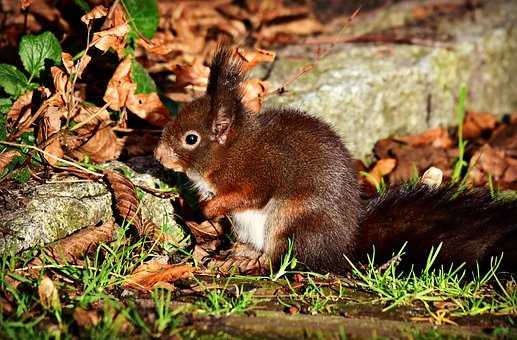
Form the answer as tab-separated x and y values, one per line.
471	225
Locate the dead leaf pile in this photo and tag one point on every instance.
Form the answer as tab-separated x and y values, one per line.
156	273
491	153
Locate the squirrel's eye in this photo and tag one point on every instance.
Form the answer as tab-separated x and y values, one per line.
191	139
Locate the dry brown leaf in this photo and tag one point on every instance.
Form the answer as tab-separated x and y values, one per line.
6	157
205	230
70	66
96	13
77	245
254	92
119	86
148	106
48	134
103	146
195	74
90	114
299	27
147	275
86	318
67	62
126	202
20	109
476	122
437	137
251	58
25	3
382	168
121	92
48	294
83	62
114	38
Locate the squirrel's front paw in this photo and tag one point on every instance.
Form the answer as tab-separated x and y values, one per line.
212	209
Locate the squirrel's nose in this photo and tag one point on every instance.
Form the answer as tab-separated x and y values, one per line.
167	157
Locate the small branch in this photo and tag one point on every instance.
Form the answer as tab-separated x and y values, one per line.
32	147
84	122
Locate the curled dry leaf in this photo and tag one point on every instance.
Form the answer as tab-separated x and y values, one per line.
147	275
254	92
126	202
251	58
102	146
195	74
6	158
70	66
86	318
477	122
205	230
299	27
96	13
48	294
382	168
20	110
121	92
437	137
114	38
48	134
68	62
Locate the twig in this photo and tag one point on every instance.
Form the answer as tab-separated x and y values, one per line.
32	147
84	122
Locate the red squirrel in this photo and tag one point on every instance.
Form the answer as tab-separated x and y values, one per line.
283	174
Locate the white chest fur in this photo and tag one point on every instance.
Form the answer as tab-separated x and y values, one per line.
251	225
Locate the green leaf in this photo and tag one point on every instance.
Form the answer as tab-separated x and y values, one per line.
144	82
34	49
5	105
143	15
12	80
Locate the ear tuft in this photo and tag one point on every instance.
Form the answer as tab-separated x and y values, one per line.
226	73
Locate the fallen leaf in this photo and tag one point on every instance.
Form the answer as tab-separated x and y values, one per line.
195	74
48	134
382	168
86	318
97	12
20	109
477	122
147	275
121	92
126	202
298	27
437	137
67	62
251	58
206	230
114	38
254	92
48	294
6	157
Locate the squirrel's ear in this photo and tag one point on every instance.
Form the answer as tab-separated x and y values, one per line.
221	125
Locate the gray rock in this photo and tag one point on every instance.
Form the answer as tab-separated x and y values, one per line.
369	92
36	214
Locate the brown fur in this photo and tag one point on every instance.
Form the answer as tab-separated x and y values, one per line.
292	171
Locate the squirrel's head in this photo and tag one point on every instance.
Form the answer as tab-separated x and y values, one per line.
204	128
